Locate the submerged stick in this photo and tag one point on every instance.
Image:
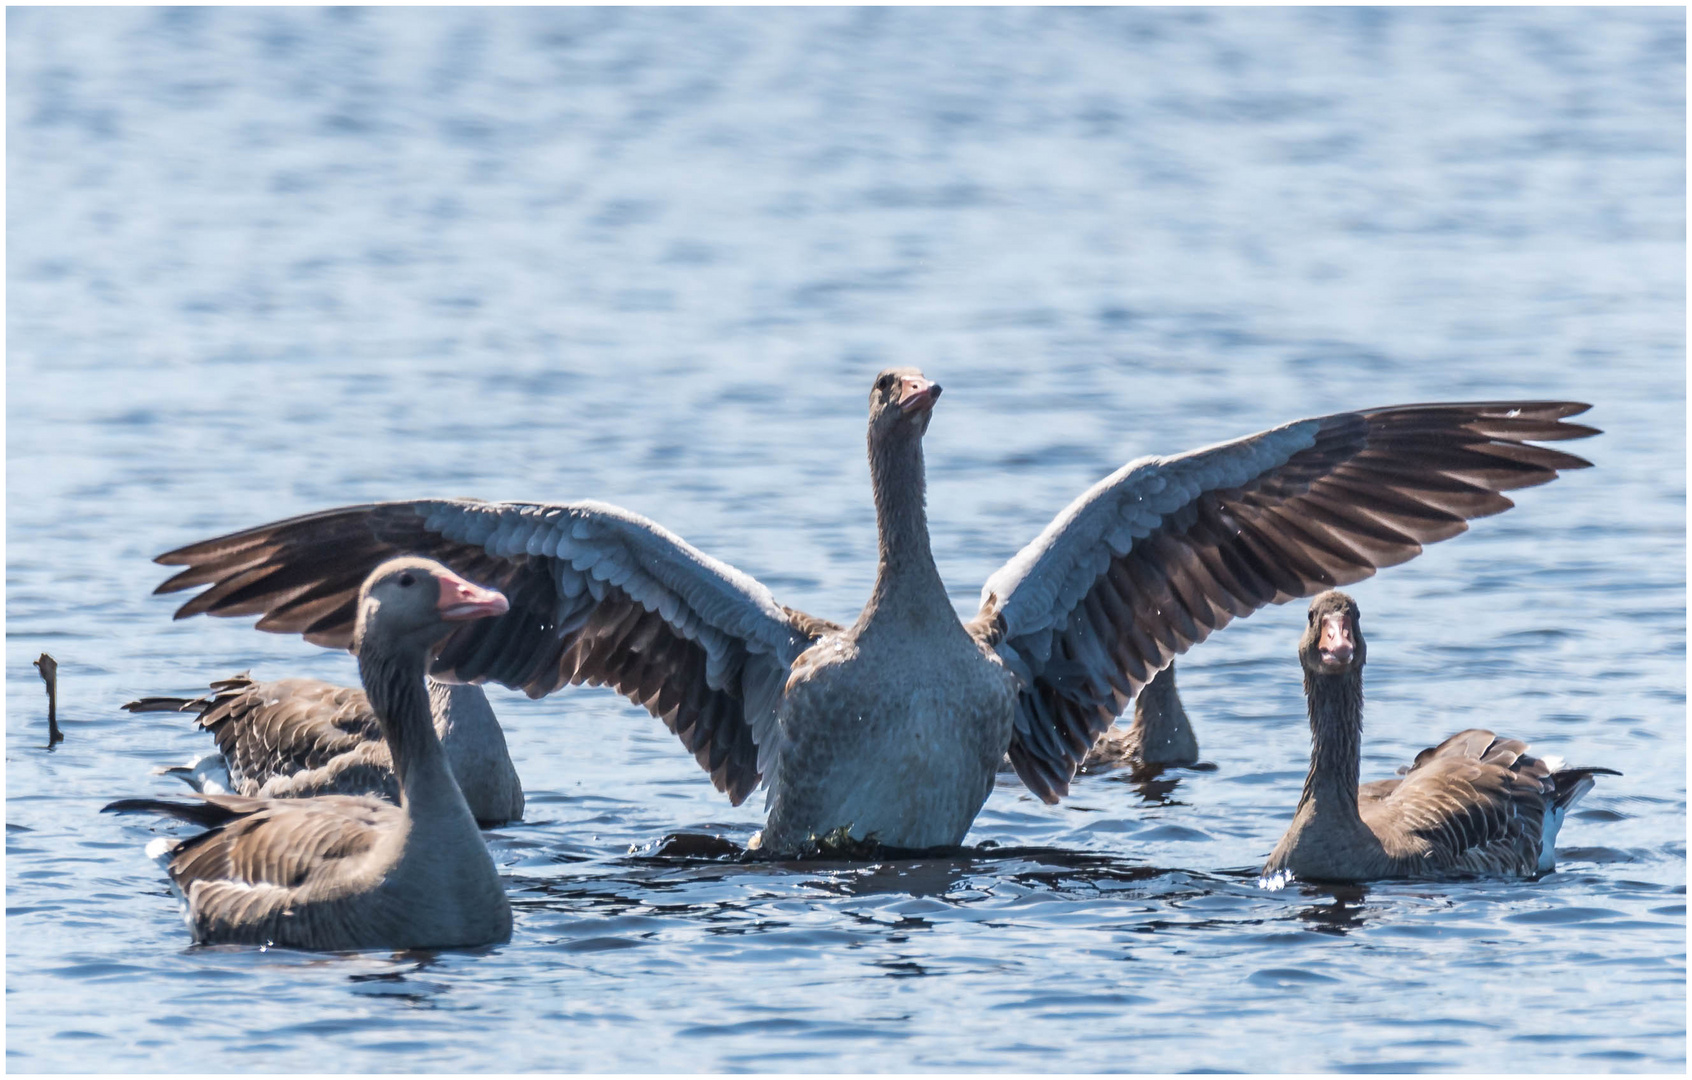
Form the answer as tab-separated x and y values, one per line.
49	669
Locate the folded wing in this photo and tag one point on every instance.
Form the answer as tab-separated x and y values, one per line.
1475	802
277	728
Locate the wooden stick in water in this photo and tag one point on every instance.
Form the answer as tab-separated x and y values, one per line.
49	669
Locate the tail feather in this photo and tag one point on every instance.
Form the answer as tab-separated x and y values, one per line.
1570	785
162	849
1573	783
207	814
208	774
166	704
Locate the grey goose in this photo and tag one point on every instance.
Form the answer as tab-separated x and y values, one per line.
1160	734
893	726
349	871
295	738
1477	803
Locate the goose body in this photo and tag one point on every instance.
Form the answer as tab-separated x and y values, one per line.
893	726
297	738
355	872
894	736
1476	804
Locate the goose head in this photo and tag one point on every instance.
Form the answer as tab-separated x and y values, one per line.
412	602
901	403
1333	640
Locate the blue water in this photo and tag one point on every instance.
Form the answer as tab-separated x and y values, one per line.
267	261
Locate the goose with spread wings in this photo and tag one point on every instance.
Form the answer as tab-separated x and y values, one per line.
892	727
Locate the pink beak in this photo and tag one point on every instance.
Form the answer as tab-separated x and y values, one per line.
461	600
917	394
1336	645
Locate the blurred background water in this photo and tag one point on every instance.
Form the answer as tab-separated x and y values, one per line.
266	261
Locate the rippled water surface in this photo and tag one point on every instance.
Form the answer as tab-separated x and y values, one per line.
262	262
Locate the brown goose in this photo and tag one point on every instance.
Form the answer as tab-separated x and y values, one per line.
347	871
1474	804
894	725
295	738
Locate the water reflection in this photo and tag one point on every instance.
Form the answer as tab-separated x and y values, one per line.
1344	912
916	878
401	985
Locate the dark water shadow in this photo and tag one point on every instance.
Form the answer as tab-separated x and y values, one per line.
681	864
1341	915
1156	785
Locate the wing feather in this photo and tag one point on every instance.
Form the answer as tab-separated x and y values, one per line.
1165	551
1475	803
598	595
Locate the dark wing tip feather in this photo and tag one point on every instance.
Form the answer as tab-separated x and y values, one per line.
127	806
160	704
206	813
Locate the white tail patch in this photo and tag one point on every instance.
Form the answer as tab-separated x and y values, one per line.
208	774
1554	816
160	849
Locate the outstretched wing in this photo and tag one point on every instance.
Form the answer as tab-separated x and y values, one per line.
598	595
1164	551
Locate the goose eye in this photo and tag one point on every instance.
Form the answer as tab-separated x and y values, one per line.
406	580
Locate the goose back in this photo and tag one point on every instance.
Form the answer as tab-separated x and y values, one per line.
1477	803
296	738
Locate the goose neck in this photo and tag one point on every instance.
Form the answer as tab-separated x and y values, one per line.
907	582
399	698
1336	733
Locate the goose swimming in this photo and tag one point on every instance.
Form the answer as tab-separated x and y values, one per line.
348	871
892	726
1475	804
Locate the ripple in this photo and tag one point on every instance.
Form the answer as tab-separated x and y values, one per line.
1288	978
1556	916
